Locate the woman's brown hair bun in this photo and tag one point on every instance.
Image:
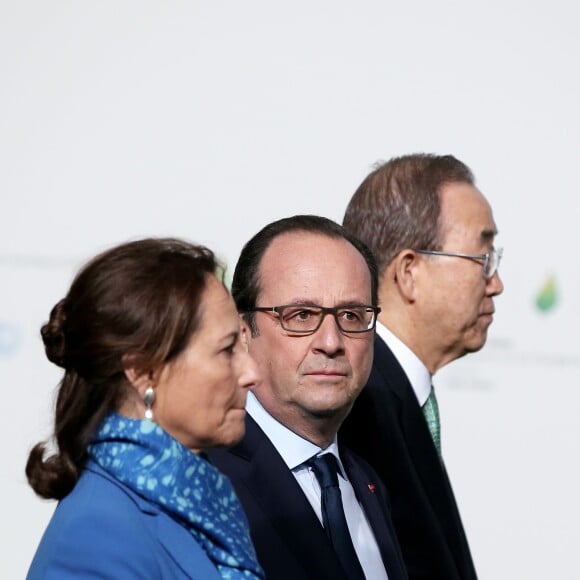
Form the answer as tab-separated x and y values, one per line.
53	335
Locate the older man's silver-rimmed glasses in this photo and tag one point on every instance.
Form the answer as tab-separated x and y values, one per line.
490	261
307	318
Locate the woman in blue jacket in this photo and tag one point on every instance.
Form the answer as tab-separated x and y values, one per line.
154	373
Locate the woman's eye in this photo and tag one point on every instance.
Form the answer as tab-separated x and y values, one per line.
229	350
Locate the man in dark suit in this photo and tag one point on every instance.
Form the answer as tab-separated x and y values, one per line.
432	233
307	291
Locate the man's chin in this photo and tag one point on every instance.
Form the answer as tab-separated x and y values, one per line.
330	410
477	343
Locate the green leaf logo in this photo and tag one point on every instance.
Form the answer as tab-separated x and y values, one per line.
548	295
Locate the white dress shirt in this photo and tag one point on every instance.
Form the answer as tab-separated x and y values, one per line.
415	370
295	451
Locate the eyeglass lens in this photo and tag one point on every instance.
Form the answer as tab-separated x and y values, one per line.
491	264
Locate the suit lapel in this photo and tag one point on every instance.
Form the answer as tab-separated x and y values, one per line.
414	427
376	511
420	446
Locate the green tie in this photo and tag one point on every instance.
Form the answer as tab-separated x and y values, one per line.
431	413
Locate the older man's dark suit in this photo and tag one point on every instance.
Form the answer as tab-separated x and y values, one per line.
387	428
289	539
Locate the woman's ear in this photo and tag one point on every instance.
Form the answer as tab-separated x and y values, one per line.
138	378
134	404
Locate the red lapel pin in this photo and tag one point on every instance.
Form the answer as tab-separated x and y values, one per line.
372	487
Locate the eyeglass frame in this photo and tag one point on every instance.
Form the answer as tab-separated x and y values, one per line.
485	257
278	310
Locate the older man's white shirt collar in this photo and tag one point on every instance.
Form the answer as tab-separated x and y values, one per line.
415	370
295	450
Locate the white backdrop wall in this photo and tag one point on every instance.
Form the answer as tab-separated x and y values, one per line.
207	120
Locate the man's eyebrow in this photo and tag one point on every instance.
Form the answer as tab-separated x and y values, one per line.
488	235
342	304
302	302
351	304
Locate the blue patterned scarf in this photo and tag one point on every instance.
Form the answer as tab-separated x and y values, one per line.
159	468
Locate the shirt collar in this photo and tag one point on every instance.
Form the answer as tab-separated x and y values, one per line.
293	449
415	370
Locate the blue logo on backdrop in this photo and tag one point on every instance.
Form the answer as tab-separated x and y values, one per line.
9	339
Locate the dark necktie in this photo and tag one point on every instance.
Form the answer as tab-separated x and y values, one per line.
325	468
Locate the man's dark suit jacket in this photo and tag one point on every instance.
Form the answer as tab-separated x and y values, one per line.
387	428
290	541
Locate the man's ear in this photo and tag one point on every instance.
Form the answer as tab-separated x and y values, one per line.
404	270
245	332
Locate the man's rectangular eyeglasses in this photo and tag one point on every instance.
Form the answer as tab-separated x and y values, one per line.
307	319
490	261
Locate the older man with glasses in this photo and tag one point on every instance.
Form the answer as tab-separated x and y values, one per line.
307	292
432	233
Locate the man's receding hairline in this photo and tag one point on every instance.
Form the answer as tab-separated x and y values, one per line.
297	232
